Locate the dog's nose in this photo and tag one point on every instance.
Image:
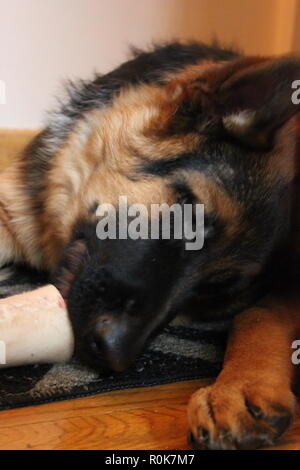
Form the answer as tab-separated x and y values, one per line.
110	340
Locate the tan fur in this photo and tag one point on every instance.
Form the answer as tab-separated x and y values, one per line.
215	199
282	165
18	226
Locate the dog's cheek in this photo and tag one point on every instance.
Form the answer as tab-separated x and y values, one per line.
71	265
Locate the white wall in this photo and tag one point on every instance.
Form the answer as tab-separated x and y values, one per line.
44	41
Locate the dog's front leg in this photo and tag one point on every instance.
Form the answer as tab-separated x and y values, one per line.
251	403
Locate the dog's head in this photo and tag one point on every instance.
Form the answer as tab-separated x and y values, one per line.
222	135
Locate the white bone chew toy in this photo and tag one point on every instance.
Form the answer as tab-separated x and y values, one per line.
35	328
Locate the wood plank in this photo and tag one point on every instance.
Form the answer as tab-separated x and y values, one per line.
146	418
120	400
152	418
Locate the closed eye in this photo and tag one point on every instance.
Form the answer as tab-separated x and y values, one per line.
184	194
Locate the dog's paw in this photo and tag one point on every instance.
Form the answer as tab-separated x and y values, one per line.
240	416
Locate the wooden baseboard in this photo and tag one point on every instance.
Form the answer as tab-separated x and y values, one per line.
12	141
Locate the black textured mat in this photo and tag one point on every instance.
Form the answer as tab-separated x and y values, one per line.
184	350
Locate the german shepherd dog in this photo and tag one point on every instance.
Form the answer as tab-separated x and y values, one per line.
183	123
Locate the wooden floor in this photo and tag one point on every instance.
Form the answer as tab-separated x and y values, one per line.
149	418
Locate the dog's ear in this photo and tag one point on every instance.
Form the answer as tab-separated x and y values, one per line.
255	102
247	99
